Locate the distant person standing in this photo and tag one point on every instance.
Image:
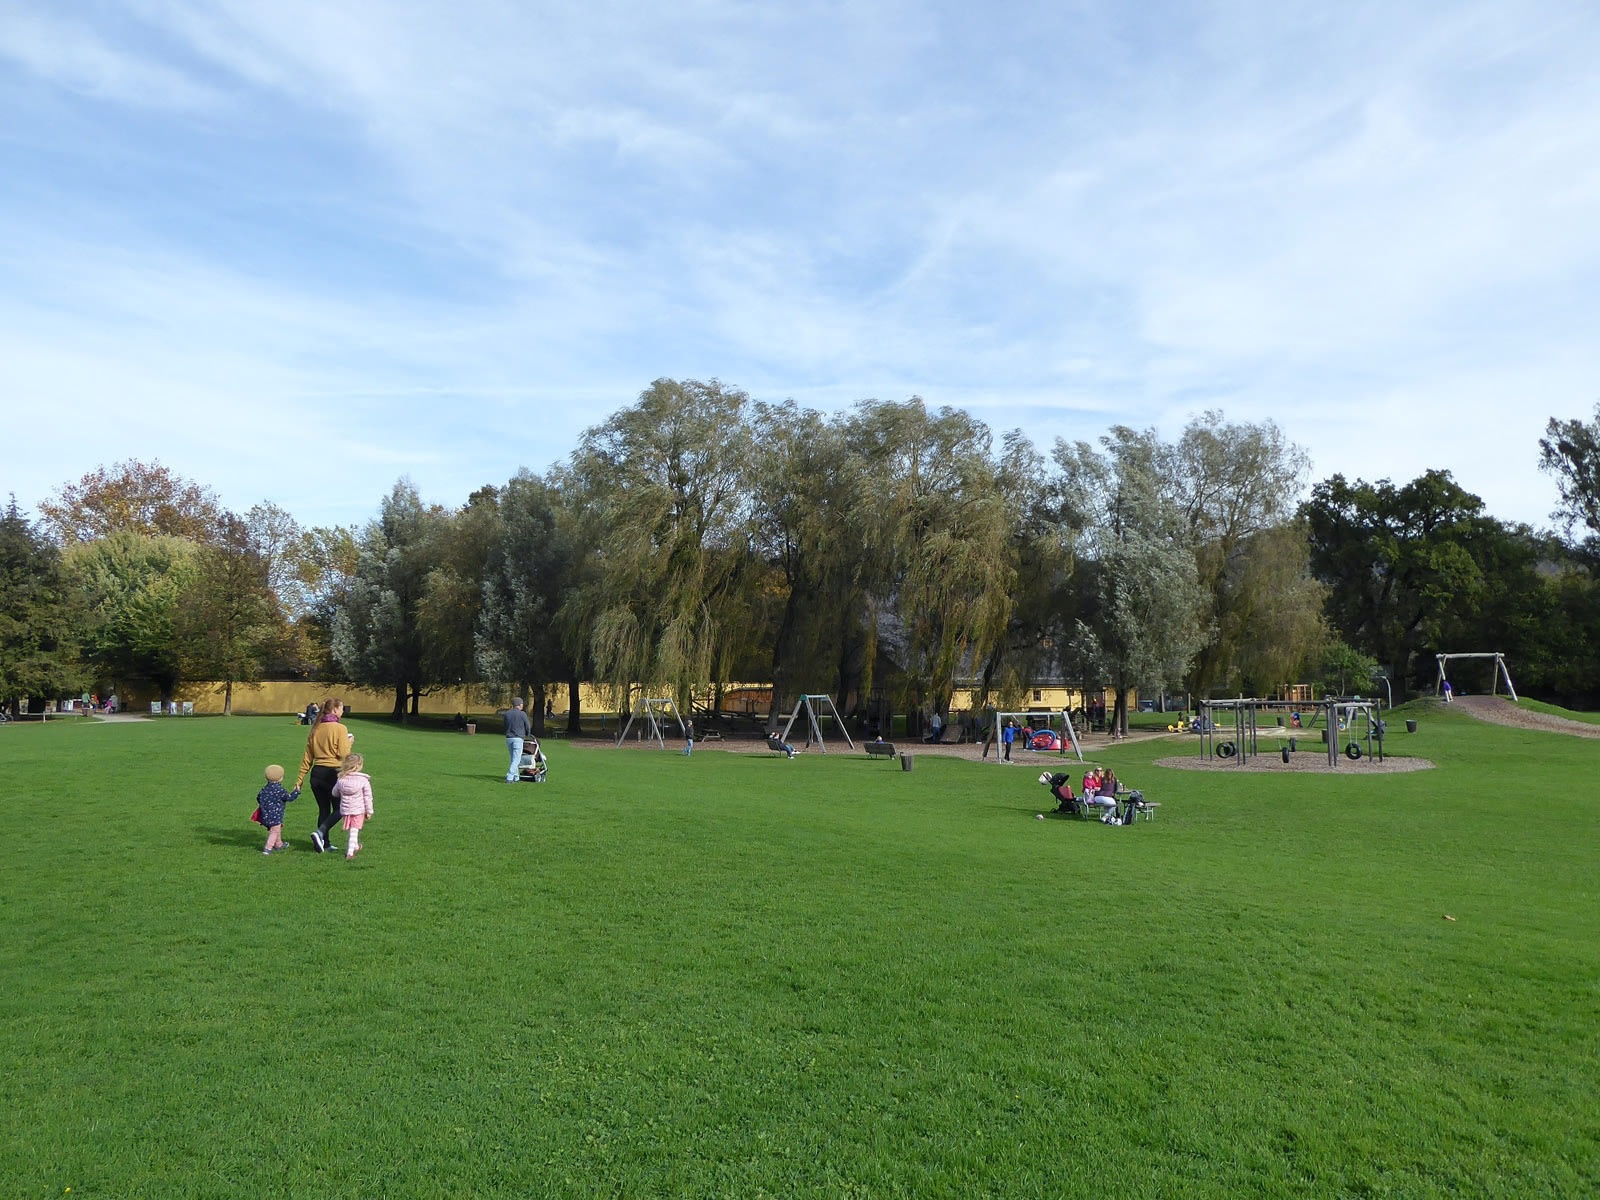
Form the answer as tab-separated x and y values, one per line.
1449	692
1008	735
688	738
517	731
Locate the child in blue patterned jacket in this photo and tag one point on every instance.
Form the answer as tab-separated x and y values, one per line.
270	800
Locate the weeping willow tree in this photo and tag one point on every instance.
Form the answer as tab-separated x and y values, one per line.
941	562
808	533
1044	601
666	485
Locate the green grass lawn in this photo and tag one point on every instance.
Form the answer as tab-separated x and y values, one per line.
740	976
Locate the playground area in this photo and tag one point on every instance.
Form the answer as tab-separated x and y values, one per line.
1307	762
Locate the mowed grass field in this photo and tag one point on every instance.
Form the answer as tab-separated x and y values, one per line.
740	976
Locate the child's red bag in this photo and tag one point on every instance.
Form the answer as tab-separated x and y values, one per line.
256	816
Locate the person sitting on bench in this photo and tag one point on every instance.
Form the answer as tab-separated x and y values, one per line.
1094	794
1123	809
774	742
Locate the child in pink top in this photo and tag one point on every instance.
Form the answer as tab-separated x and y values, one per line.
354	792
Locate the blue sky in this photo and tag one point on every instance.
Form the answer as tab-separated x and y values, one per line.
296	250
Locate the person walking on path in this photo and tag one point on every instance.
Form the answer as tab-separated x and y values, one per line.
688	738
326	748
354	790
517	731
1008	735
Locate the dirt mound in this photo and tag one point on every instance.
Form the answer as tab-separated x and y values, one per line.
1501	711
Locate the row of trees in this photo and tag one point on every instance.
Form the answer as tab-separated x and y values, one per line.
891	555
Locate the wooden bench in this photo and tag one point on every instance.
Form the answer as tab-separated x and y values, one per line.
880	749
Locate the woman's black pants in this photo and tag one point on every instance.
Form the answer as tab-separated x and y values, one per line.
322	781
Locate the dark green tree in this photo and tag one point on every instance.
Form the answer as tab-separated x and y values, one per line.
38	616
521	642
378	637
131	587
452	599
1401	565
1570	451
228	623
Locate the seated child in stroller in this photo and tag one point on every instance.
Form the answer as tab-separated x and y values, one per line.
533	767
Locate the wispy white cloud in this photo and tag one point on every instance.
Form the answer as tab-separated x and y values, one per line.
72	55
473	229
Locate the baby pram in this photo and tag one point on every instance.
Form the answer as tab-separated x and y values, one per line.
533	768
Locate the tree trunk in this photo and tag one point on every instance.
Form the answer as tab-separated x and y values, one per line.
399	701
574	712
536	705
227	698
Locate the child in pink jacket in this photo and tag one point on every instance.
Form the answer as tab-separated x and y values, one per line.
354	792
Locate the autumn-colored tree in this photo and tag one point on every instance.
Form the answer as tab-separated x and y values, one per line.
132	497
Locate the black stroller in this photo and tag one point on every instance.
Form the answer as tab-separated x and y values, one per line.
1060	785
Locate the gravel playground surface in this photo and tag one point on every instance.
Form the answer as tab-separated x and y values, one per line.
1303	761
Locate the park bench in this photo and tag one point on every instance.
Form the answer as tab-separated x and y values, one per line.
880	749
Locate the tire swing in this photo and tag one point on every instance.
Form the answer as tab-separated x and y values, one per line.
1226	750
1353	751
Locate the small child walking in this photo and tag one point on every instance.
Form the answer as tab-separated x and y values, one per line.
354	792
270	800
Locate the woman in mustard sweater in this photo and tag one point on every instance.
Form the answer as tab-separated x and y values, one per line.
329	742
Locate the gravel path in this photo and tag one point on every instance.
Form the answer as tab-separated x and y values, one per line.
1501	711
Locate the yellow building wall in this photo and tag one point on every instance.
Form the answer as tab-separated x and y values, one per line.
272	698
1049	699
269	698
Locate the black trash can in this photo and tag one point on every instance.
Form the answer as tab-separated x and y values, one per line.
907	761
1411	726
